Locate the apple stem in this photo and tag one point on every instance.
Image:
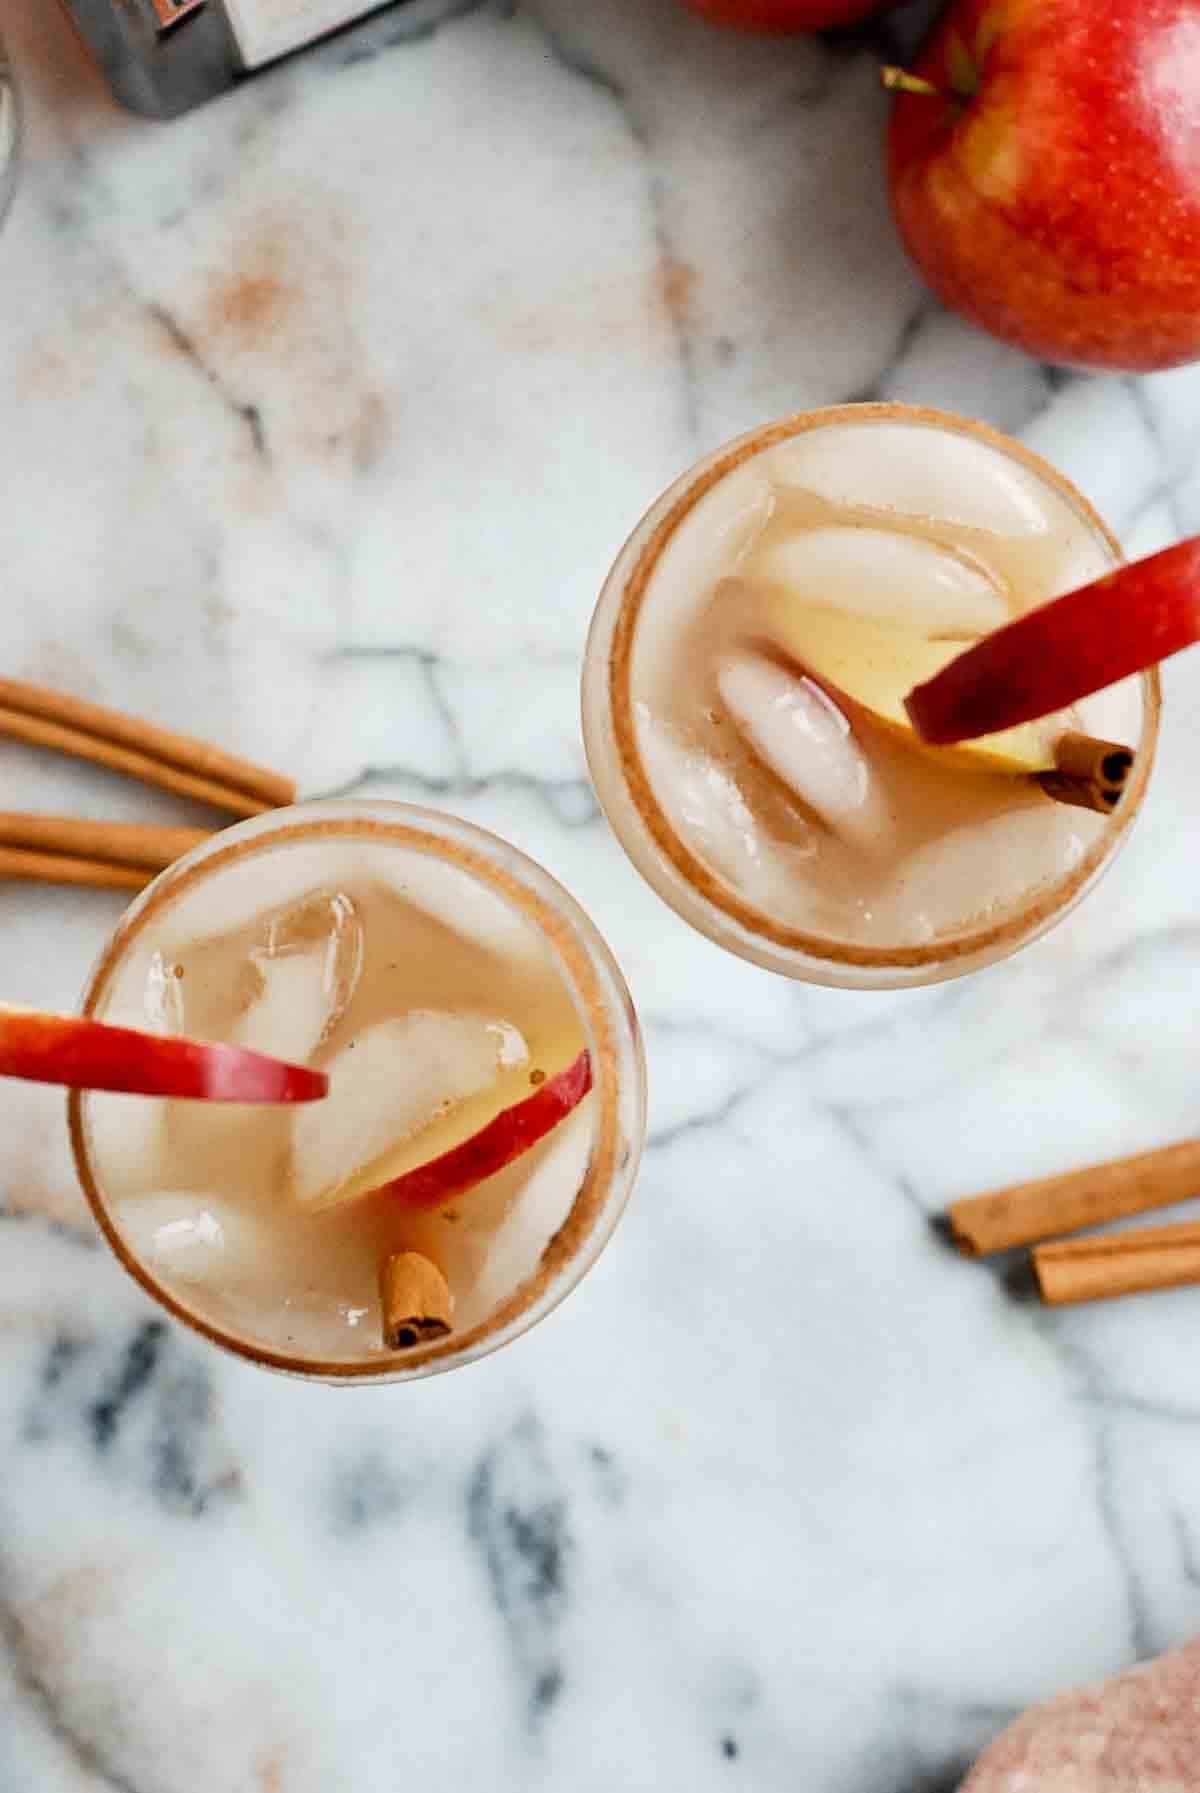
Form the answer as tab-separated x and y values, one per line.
898	80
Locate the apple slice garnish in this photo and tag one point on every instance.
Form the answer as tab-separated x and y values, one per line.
335	1165
85	1054
870	665
510	1133
1063	651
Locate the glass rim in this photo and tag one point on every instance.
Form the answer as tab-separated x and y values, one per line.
587	966
705	900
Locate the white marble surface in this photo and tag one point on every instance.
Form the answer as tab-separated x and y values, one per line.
324	413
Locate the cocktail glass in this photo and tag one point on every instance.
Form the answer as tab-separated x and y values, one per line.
880	468
425	964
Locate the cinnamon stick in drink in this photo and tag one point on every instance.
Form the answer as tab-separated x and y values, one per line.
417	1304
1089	773
1049	1206
1075	1270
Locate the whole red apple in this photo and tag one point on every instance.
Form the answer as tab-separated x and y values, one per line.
786	15
1046	175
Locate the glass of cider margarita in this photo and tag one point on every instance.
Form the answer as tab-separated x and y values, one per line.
851	550
485	1112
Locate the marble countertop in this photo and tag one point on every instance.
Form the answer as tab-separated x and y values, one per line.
325	410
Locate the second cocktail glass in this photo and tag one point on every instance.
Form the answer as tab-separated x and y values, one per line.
802	833
455	994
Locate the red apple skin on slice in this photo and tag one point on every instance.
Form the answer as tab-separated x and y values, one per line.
85	1054
1063	651
513	1131
780	16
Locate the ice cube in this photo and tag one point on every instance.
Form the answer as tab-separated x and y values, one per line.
259	886
390	1081
316	1323
164	996
972	874
921	472
807	742
711	813
885	574
701	795
126	1134
305	976
189	1237
513	1247
491	1239
459	900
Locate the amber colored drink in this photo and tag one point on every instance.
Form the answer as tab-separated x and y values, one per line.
813	834
440	979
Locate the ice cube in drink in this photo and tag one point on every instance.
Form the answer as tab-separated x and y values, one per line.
754	643
442	981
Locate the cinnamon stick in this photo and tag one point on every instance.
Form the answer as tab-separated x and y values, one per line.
62	868
1048	1206
1160	1257
178	763
1089	773
417	1304
115	843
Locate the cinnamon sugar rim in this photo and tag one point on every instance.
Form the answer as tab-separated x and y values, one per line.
602	1014
1048	900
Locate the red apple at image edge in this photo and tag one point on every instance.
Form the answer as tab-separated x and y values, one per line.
1065	650
85	1054
513	1131
786	15
1050	190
